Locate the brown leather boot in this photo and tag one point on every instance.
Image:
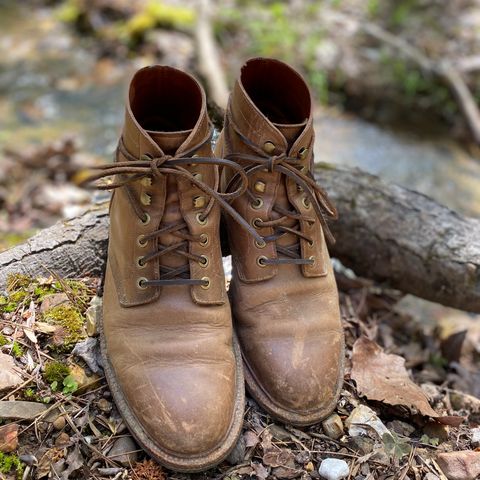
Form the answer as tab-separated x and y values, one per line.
171	360
283	291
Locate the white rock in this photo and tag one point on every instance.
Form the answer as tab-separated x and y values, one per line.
476	437
361	416
334	469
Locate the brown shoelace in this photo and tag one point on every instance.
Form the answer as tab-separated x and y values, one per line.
286	165
145	166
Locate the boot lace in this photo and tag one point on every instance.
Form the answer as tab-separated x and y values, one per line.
148	166
315	196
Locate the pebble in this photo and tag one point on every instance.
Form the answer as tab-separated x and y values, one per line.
8	438
476	437
104	405
59	423
62	440
363	415
463	465
430	476
124	451
333	426
333	469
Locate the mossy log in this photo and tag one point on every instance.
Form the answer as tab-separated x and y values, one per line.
385	232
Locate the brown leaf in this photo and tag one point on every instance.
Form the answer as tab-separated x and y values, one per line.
251	439
384	378
8	438
9	376
260	471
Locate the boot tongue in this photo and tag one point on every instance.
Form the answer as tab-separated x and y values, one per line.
169	142
290	131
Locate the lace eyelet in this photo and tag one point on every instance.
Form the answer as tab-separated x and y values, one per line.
146	219
141	263
303	152
312	258
260	186
205	286
269	147
261	261
204	240
261	244
256	221
200	220
145	199
306	203
204	262
257	203
141	242
311	243
141	283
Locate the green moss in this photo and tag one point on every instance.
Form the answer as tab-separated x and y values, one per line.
3	340
17	281
55	372
10	463
72	321
17	350
155	14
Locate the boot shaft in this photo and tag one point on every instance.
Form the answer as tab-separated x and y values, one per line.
164	210
269	131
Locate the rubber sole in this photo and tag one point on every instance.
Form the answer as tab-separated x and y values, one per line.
188	464
289	416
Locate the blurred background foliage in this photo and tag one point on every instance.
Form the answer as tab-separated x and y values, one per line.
65	66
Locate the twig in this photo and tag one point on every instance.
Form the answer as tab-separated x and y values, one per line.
209	64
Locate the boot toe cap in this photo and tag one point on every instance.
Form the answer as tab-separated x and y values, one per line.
301	377
185	411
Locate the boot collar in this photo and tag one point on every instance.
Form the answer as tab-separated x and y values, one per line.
257	127
140	141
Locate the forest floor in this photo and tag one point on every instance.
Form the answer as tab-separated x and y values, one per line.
408	398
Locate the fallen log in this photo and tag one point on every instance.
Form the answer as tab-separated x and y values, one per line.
385	232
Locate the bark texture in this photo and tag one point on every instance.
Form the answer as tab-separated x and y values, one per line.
403	238
70	248
385	232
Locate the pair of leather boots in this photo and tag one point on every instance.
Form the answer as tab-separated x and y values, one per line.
176	347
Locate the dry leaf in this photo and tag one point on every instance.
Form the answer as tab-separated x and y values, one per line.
384	378
9	376
251	439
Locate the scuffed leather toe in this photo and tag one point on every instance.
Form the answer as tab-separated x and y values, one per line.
300	375
185	409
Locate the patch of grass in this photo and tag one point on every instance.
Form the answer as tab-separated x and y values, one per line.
10	463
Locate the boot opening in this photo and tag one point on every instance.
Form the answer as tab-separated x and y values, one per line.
277	90
164	99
